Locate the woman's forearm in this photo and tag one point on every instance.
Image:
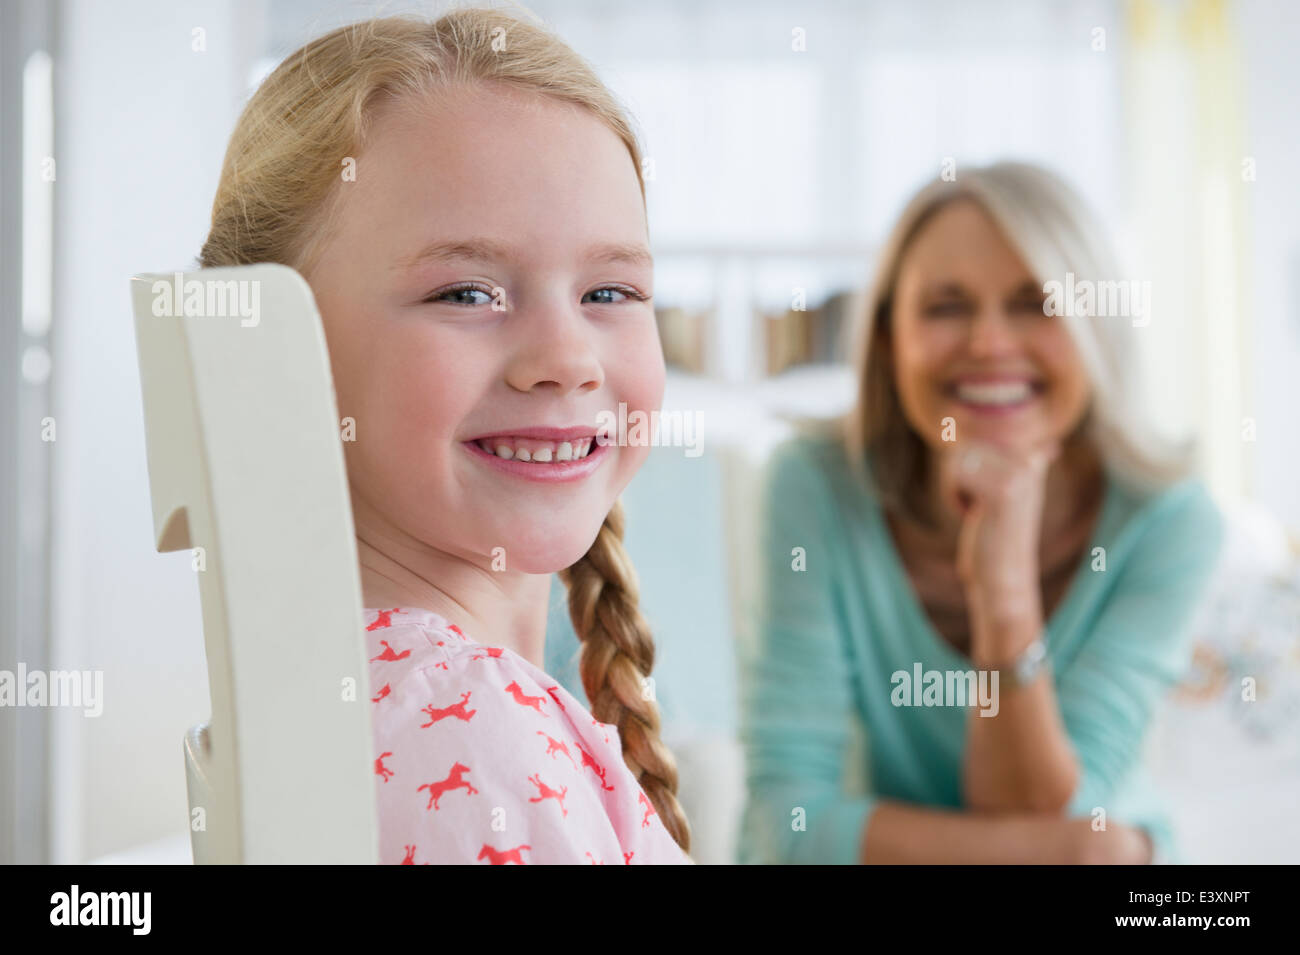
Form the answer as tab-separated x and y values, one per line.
901	833
1020	758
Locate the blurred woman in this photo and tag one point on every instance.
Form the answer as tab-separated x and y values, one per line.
988	566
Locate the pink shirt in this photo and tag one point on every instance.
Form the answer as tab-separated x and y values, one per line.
482	757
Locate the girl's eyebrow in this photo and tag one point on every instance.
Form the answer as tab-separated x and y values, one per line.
629	253
488	250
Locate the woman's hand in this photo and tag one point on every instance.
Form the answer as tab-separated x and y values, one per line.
1000	494
1117	844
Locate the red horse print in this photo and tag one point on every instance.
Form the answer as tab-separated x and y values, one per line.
554	746
409	858
517	691
649	809
503	856
589	760
627	857
456	630
383	692
593	859
454	780
546	792
390	654
492	652
381	769
558	702
385	619
456	709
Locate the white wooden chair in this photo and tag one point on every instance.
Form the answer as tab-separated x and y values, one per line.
246	463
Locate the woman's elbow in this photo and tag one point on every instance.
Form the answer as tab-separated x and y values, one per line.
1057	799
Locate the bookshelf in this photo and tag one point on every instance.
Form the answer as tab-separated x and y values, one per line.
740	313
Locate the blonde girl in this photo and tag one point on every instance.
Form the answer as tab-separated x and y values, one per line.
465	199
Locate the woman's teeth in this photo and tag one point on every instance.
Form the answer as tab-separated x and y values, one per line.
1002	393
539	452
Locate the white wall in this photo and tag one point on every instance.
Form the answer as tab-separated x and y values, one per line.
141	126
1270	30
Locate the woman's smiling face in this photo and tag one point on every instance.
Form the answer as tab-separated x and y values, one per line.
969	340
485	292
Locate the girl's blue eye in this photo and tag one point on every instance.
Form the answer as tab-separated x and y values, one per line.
466	295
461	295
627	293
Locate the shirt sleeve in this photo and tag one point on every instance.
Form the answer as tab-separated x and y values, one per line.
1139	648
796	693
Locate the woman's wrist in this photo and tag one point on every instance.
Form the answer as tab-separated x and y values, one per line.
1003	627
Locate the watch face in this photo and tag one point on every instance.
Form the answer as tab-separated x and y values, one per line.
1030	662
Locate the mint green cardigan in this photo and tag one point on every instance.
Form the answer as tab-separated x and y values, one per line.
829	637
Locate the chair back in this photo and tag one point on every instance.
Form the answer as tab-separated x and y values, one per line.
246	470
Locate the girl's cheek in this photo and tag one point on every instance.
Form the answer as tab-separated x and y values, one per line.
432	392
632	459
635	371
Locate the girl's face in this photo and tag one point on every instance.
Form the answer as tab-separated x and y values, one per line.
969	340
485	294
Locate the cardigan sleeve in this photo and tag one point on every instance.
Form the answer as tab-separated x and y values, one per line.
796	688
1138	649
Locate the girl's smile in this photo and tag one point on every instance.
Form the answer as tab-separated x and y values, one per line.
545	455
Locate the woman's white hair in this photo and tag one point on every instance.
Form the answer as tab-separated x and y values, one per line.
1047	223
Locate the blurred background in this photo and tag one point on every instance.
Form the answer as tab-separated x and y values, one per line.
781	140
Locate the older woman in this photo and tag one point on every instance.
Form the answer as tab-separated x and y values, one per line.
989	568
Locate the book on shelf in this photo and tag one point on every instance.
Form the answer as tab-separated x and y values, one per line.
682	335
808	336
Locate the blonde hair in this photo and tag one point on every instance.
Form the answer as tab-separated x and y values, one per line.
1047	223
278	193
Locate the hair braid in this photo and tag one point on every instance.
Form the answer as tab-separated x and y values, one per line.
617	655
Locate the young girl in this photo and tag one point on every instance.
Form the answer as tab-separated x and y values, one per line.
465	199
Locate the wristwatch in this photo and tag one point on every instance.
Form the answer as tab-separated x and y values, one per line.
1025	668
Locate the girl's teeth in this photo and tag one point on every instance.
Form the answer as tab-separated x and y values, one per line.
540	452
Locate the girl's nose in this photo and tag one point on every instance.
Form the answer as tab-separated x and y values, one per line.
554	349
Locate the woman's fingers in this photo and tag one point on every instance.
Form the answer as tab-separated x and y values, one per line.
978	470
972	472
